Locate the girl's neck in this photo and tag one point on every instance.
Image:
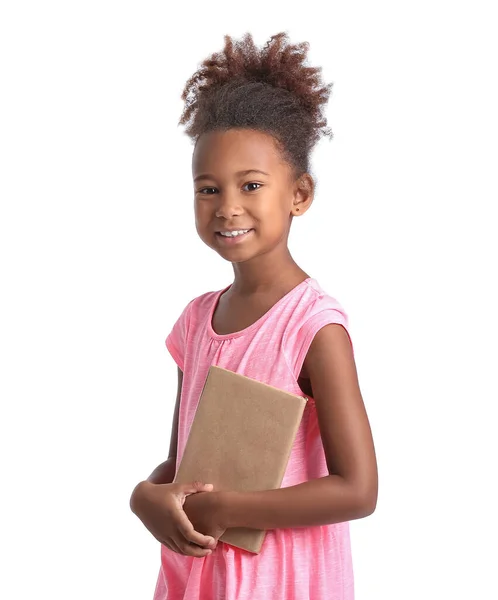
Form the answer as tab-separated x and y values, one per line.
266	273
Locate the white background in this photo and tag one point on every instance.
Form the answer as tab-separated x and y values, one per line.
99	255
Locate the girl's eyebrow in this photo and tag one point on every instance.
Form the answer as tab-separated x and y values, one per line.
246	172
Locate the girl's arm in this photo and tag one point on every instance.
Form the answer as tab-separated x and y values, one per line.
350	490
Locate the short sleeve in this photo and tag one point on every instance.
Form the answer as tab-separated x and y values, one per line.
303	337
176	341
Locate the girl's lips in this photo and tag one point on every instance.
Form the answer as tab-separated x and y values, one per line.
230	241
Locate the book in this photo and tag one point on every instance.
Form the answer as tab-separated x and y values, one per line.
240	440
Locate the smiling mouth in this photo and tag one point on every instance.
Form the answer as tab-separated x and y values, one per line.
232	234
228	238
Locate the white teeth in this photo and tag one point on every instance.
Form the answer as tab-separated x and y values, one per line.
233	233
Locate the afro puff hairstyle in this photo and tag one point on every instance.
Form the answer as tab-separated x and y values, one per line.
270	89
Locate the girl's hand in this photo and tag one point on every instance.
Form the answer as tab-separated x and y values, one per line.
206	513
160	508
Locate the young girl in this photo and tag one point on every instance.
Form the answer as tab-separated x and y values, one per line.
255	116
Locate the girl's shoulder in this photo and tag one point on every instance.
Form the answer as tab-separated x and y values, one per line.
312	304
318	300
206	300
201	305
188	321
312	309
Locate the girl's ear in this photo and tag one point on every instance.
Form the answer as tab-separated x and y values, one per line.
304	189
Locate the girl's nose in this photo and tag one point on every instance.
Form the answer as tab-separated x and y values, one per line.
228	207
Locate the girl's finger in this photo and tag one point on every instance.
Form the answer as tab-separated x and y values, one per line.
187	530
197	486
189	549
172	545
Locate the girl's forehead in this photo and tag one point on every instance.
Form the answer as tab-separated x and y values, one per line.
237	149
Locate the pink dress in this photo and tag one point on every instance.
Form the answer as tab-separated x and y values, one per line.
294	564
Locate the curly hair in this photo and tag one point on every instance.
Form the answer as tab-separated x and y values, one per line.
271	89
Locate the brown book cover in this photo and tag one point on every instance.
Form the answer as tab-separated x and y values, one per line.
240	440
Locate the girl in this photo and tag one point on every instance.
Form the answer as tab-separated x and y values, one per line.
255	116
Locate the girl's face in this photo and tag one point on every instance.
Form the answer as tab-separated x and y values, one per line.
242	184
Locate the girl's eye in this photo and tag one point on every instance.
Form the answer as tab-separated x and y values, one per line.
208	191
252	183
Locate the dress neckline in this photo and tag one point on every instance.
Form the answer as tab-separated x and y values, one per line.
257	323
